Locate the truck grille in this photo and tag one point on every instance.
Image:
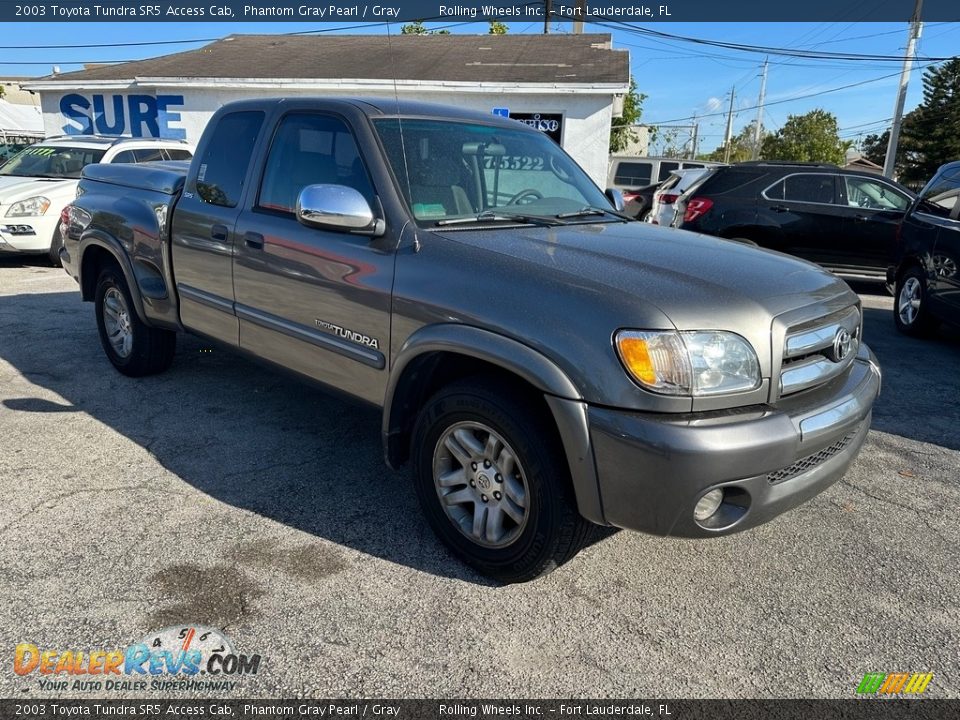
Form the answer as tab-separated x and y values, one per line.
811	461
816	352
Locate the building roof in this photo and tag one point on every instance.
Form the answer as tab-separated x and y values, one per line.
547	59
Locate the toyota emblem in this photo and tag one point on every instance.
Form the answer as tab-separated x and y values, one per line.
842	343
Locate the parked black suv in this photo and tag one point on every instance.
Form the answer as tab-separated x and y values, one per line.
844	220
925	271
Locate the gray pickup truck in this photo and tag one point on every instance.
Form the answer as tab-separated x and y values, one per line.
543	363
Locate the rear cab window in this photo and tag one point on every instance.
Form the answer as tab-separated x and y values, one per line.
223	167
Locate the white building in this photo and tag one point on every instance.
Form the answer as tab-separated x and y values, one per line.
569	86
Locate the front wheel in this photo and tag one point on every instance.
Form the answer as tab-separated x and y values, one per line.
134	348
910	308
493	482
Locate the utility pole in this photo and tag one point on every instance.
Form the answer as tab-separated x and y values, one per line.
758	130
581	10
916	25
696	138
728	135
548	7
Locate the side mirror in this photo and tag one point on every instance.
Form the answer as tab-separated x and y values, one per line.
616	199
337	207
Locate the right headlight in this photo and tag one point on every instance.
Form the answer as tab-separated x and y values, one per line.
699	363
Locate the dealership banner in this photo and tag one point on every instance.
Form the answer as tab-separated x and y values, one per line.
487	709
354	11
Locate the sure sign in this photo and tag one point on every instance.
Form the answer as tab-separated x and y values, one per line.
136	115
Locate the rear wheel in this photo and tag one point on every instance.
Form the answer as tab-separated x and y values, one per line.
492	480
134	348
910	308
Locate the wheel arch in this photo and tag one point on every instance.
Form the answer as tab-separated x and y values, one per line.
438	354
97	251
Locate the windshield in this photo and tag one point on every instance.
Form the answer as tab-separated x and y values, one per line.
460	170
51	162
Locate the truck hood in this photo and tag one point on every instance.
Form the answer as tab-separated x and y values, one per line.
698	282
14	188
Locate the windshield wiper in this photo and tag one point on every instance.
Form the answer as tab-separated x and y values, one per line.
495	216
591	210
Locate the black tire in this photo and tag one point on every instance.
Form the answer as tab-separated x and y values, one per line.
150	350
56	242
912	284
553	531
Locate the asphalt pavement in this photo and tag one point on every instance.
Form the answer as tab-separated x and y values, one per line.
223	494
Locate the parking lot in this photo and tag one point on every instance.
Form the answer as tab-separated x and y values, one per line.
224	494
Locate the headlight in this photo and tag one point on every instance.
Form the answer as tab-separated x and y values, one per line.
31	207
699	363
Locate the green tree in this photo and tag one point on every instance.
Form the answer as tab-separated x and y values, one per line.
621	131
497	28
741	146
418	28
813	137
931	133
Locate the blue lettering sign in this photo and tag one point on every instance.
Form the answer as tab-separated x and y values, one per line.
136	115
76	108
100	115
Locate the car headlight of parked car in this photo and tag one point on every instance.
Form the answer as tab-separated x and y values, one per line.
31	207
696	364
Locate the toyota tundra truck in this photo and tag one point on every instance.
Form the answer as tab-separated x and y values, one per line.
543	364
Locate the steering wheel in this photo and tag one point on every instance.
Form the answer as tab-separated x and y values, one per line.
529	192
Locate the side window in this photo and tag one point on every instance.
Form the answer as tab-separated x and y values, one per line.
148	155
125	156
809	188
223	166
666	168
940	196
867	193
310	150
175	154
633	173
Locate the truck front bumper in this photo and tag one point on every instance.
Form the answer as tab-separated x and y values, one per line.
653	469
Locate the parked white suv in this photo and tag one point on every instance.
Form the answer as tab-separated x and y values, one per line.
37	183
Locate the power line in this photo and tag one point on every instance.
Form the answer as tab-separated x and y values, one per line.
761	49
790	99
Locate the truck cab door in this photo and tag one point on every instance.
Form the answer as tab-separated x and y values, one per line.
204	223
312	300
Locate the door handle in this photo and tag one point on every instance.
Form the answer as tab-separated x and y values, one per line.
860	218
780	208
219	232
253	240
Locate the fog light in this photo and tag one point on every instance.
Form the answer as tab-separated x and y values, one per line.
708	505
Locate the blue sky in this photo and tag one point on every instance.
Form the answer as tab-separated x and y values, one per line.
679	78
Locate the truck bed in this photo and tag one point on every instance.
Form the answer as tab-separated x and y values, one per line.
162	177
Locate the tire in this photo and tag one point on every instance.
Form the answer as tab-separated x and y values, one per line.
134	348
517	541
56	242
911	312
